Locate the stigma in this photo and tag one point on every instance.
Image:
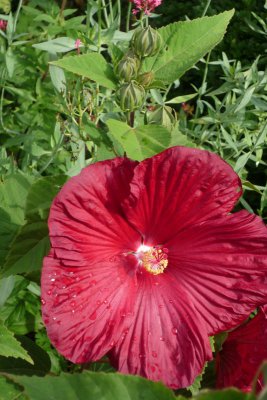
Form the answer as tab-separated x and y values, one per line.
153	259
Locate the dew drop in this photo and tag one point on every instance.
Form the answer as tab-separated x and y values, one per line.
161	339
161	306
142	355
52	279
72	303
112	343
174	331
43	302
54	318
49	292
154	354
98	302
171	301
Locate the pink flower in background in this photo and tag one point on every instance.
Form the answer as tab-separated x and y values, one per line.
146	261
3	25
145	5
77	45
242	354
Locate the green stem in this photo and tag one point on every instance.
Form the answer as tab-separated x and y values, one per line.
206	8
119	12
105	13
17	16
88	19
111	10
128	18
203	84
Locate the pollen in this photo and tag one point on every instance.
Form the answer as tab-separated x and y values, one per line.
153	259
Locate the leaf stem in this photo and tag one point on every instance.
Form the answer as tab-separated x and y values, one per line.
206	8
128	18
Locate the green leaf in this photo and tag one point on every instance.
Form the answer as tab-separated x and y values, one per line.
186	43
58	45
227	394
28	249
10	347
13	194
6	287
181	99
141	142
40	364
92	66
10	390
41	195
97	386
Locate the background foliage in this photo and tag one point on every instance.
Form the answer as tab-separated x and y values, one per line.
54	122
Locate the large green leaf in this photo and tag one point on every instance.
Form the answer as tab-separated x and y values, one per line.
185	43
13	194
92	66
141	142
31	243
40	361
97	386
227	394
10	347
10	390
28	249
41	195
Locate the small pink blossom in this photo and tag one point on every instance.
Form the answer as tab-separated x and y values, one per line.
145	5
77	45
3	25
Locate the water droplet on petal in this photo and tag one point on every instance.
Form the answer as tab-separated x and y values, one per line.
161	339
154	354
142	355
49	292
174	331
43	302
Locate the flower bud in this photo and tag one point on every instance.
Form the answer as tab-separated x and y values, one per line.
146	42
130	96
127	69
146	79
162	115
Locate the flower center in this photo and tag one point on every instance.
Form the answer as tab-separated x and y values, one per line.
153	259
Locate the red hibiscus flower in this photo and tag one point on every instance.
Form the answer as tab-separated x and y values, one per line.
146	262
242	354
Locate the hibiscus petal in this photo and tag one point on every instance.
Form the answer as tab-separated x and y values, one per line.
86	309
222	265
177	188
86	222
242	354
166	341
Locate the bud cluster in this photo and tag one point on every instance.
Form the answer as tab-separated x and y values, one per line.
146	42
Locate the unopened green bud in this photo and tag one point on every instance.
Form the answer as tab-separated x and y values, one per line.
146	79
130	96
146	42
127	69
162	115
